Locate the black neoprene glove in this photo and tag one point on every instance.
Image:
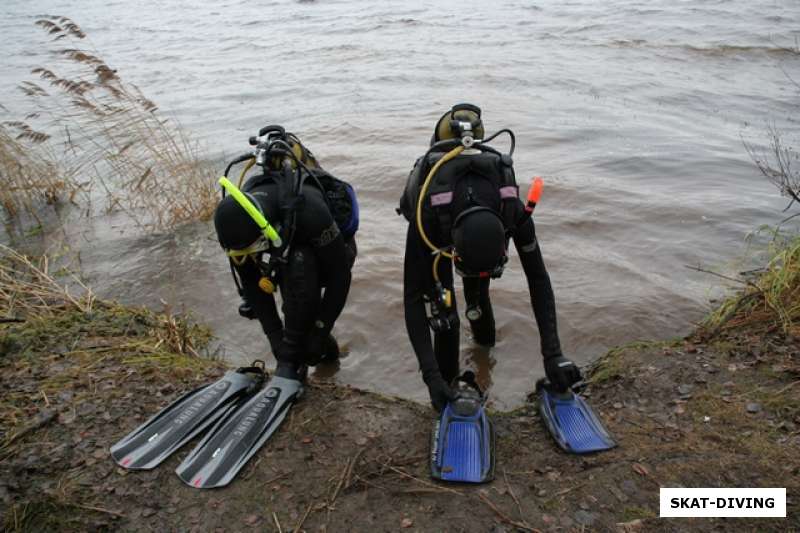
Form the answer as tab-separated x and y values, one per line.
439	390
561	372
321	347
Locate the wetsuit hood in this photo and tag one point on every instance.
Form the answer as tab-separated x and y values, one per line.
236	229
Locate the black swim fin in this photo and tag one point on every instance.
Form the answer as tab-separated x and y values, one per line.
150	444
573	424
225	449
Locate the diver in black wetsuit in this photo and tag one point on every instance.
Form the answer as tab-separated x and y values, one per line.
464	213
316	254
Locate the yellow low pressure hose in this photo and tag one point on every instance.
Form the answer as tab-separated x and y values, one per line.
447	157
423	191
247	167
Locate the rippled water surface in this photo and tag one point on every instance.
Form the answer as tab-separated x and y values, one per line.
633	112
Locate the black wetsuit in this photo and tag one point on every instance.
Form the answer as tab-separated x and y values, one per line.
319	257
418	281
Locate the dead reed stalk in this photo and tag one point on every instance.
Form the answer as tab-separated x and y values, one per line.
29	290
147	164
30	172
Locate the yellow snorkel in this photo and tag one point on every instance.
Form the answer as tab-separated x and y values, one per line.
266	228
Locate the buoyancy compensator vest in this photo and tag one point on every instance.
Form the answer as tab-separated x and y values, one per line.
475	178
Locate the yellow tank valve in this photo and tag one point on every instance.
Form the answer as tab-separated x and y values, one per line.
448	298
266	285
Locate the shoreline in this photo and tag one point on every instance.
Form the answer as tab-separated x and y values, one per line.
700	411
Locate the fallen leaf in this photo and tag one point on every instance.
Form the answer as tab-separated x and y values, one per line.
640	469
406	523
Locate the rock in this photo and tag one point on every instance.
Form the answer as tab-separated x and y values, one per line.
618	405
685	390
86	409
613	489
567	522
630	487
753	407
712	369
585	518
630	527
65	396
252	519
148	512
548	520
406	523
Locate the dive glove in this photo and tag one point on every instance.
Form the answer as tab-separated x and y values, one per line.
321	347
441	393
561	372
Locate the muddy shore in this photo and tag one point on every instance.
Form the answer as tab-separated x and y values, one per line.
704	411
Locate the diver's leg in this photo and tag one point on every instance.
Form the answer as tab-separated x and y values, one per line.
446	342
300	288
479	310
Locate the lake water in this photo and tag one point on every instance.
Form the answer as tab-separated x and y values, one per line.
633	112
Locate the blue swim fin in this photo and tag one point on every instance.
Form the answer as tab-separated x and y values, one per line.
462	441
573	424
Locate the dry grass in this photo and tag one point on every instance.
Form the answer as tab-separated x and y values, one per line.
145	163
772	302
29	290
30	172
30	293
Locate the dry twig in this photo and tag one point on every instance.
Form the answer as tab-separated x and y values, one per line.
505	518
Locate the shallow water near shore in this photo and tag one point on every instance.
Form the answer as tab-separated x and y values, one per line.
633	112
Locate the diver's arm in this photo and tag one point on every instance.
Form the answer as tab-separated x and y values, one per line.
332	255
263	304
417	280
541	291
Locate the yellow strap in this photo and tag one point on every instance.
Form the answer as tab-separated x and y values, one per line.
255	214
